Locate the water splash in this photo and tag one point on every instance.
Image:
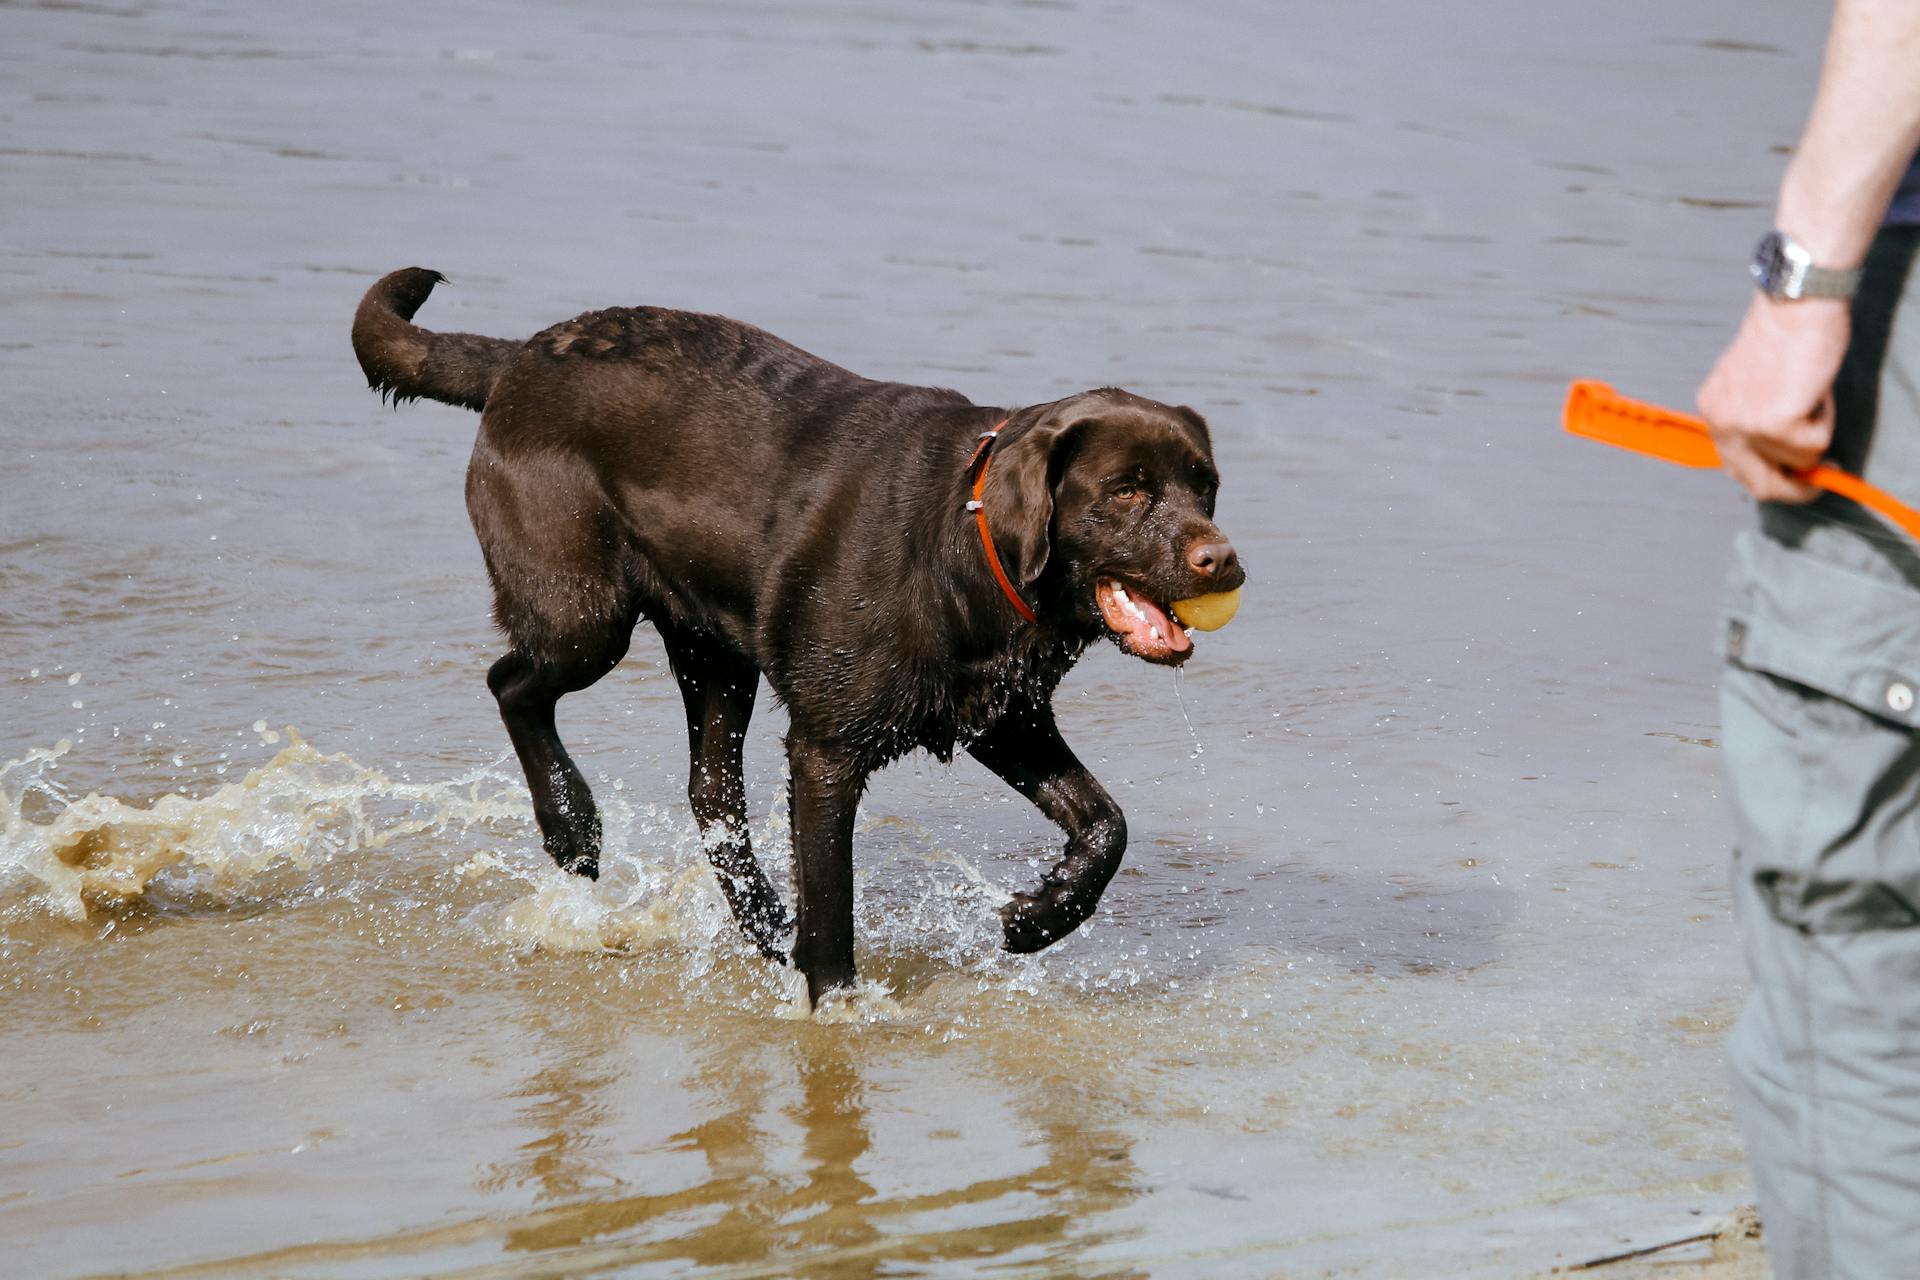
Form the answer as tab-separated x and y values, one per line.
301	808
468	848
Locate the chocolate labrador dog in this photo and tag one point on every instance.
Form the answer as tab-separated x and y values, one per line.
906	568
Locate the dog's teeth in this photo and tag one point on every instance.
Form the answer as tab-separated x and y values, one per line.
1155	630
1120	594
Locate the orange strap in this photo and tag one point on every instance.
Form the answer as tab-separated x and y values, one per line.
979	508
1598	412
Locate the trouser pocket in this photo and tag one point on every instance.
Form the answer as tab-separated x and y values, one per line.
1822	759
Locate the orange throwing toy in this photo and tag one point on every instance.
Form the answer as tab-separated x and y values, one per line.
1598	412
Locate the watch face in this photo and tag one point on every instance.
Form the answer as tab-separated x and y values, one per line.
1784	269
1770	266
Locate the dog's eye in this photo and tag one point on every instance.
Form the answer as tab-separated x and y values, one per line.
1127	491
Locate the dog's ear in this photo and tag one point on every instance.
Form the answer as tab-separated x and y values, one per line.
1021	474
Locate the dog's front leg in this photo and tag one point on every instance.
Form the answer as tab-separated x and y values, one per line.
825	786
1025	749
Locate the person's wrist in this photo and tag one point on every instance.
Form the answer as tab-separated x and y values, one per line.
1803	313
1815	328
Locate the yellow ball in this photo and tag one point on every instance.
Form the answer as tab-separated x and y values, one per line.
1208	612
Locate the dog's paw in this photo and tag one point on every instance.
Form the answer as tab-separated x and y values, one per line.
1035	923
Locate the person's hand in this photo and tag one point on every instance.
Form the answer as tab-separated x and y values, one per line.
1769	399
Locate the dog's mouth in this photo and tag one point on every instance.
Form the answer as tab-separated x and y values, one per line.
1142	627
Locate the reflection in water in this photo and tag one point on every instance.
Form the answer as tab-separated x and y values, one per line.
765	1204
824	1218
561	1162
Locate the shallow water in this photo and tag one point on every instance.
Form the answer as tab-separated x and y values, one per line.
1421	960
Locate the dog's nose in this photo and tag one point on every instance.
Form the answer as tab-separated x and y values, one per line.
1213	559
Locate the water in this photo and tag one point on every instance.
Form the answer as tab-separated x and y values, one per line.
1421	959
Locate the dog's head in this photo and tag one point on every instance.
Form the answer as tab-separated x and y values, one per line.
1103	506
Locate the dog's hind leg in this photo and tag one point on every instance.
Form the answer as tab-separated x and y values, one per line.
718	687
1026	750
564	593
527	691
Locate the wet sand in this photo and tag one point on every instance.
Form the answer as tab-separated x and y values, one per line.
1421	961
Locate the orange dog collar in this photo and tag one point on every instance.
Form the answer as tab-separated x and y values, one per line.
978	506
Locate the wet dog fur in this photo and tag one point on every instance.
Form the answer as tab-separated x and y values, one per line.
772	514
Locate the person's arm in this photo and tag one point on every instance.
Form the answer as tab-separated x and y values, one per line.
1769	399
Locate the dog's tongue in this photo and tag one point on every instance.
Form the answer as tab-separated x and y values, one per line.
1155	632
1148	630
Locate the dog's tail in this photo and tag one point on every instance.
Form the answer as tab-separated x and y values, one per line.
406	362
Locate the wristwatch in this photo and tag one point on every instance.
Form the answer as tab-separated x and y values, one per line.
1784	270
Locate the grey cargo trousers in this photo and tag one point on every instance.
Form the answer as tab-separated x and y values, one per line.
1820	712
